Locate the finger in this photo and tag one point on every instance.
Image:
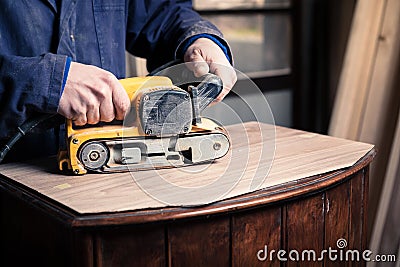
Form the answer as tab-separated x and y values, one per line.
222	95
197	64
121	101
106	110
80	120
93	115
228	77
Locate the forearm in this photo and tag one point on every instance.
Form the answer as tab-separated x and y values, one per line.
28	85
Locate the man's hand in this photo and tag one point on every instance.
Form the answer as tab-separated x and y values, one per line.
206	56
92	95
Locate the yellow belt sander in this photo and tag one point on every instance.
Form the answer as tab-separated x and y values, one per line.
163	129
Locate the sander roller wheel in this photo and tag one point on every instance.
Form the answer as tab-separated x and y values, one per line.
94	155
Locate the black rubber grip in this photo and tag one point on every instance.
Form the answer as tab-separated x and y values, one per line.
208	90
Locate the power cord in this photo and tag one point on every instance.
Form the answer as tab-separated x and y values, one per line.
22	130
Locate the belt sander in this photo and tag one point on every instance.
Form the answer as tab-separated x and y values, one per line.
163	129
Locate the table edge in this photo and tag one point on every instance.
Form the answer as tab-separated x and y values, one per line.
282	192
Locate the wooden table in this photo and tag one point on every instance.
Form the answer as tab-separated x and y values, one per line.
314	194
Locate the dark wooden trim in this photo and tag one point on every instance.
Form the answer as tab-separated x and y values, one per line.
37	201
364	229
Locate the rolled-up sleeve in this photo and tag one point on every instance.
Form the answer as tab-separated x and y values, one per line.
28	85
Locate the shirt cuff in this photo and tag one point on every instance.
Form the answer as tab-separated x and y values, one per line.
192	39
66	70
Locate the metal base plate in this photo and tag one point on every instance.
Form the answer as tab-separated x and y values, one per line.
141	153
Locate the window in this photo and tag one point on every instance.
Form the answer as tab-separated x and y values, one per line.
260	35
259	32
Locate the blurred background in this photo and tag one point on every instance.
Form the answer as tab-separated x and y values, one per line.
325	66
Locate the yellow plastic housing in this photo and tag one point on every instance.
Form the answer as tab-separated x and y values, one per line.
76	137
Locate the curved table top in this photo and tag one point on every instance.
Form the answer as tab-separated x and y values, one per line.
257	174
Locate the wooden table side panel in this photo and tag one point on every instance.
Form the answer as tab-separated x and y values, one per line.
204	242
357	215
337	221
304	229
82	249
28	237
139	245
365	229
254	231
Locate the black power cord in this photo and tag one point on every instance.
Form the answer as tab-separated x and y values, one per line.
22	130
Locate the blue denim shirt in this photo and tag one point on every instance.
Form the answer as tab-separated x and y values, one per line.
37	36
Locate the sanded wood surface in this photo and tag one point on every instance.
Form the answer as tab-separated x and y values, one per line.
297	155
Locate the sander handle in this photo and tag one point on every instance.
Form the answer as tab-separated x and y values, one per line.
203	94
208	90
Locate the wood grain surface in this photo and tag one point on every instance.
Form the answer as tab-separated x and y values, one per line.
262	156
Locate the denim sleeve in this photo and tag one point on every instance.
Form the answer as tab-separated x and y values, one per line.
162	27
28	85
185	45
